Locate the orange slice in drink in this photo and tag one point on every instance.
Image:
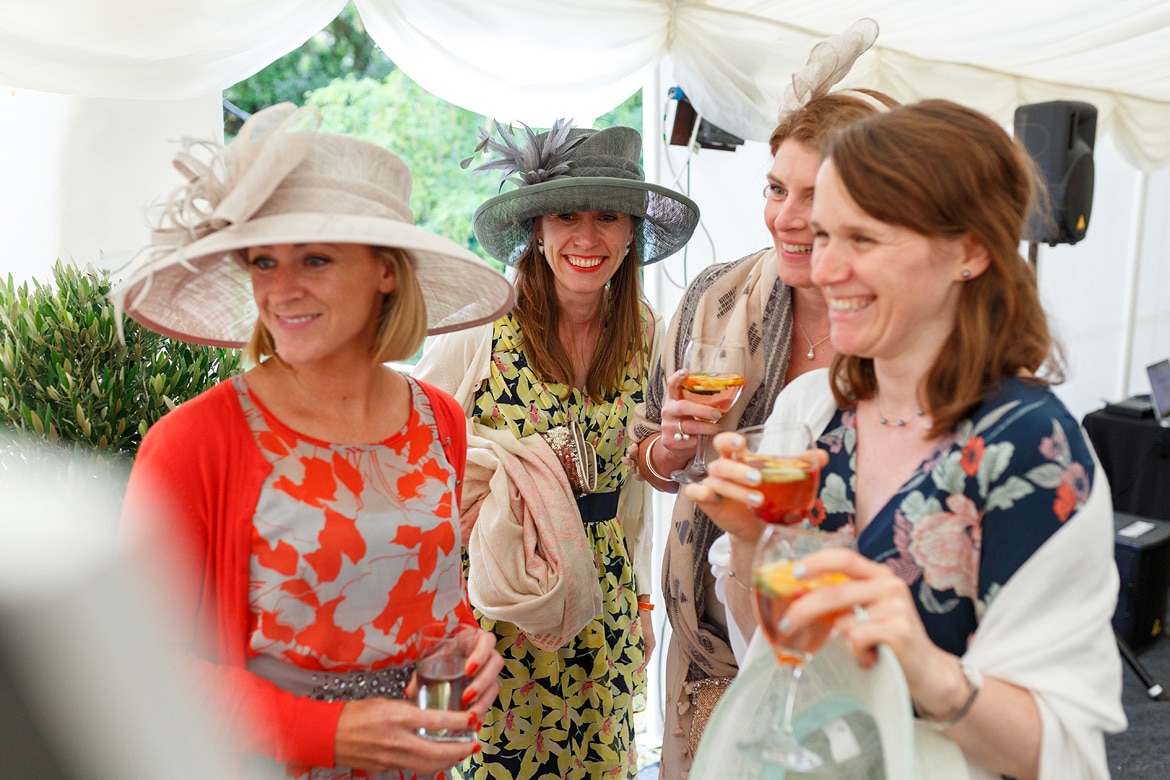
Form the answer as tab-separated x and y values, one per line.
782	469
710	384
777	578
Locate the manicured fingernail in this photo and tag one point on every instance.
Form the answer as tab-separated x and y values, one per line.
471	668
718	415
785	624
468	696
753	476
755	499
799	571
737	440
476	748
472	721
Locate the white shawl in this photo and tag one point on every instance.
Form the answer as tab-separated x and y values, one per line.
1049	628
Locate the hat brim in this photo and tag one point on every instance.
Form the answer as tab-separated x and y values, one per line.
202	293
503	224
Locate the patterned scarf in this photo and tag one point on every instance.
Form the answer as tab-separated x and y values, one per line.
744	302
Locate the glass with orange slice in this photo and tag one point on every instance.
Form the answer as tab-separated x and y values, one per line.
715	371
784	454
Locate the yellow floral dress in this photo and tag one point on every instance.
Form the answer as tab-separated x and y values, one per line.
567	713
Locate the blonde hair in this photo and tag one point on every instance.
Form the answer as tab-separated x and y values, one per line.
402	320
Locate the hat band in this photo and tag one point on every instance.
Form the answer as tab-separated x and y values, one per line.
605	166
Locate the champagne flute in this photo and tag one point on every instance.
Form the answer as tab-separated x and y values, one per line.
785	456
714	379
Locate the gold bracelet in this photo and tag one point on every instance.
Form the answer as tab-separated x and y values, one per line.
649	458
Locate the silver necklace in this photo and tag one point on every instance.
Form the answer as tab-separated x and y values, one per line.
887	421
810	354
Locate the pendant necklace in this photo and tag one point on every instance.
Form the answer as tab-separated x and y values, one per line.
810	354
887	421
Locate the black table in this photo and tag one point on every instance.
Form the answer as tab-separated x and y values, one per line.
1135	453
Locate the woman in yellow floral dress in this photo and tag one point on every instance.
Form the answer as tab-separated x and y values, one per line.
573	355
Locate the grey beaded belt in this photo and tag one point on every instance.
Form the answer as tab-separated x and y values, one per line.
389	683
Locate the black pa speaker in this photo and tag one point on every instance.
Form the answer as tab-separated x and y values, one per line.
1059	136
1142	552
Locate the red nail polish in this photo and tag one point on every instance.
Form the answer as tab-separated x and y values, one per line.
475	748
468	696
472	721
472	668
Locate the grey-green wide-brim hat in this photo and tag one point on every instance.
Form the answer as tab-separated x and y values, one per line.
280	181
571	169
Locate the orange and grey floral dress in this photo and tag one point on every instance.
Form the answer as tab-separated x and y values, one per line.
354	546
567	713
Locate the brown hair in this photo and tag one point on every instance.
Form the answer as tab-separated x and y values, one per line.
402	322
622	335
943	170
814	123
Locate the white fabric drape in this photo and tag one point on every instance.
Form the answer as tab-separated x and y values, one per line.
149	49
536	59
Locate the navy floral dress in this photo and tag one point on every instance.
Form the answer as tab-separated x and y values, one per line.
974	511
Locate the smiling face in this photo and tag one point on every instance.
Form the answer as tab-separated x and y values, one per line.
892	292
320	302
584	249
789	207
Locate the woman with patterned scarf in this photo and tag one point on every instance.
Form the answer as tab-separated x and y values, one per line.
767	302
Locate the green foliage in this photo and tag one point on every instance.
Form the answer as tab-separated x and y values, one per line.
359	92
341	48
67	379
431	135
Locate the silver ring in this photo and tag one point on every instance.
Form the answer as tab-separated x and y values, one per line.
681	435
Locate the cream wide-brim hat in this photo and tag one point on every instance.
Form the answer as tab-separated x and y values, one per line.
281	182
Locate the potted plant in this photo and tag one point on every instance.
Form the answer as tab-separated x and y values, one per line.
69	382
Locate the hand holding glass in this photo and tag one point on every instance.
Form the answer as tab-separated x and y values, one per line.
714	379
785	455
441	671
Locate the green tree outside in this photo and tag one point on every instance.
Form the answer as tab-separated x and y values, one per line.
358	90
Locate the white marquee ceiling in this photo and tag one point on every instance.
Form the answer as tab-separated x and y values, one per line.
533	59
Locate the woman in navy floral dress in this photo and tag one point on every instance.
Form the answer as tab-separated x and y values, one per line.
983	524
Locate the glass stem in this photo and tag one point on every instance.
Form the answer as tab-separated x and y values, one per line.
790	704
700	460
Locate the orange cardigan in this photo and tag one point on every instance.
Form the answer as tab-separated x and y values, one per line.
200	471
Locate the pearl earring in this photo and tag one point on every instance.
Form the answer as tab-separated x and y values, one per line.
966	274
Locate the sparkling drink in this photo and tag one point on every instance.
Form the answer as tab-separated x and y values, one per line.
719	391
775	590
789	486
441	685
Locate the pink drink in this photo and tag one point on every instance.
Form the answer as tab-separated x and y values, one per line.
719	391
775	590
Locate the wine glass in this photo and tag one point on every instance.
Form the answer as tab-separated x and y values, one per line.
785	457
714	379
